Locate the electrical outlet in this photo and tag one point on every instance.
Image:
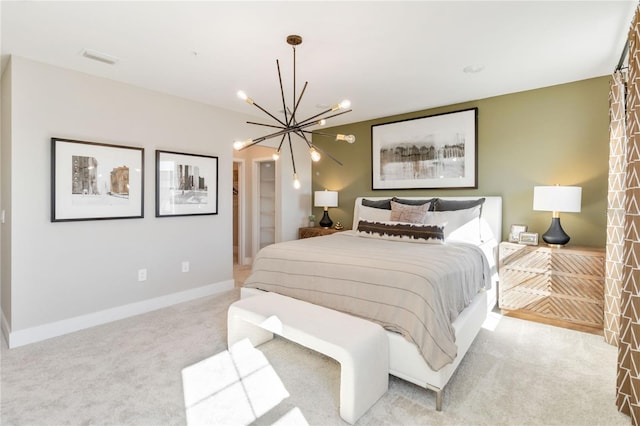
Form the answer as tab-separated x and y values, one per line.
185	266
142	274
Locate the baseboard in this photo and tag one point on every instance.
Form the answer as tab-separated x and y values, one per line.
59	328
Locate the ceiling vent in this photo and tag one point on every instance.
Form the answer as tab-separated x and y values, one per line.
99	56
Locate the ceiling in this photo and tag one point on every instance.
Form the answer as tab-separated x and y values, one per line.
386	57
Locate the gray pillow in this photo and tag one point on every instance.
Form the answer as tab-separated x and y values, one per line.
441	205
414	202
377	204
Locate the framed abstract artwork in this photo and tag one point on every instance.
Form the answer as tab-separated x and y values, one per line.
93	181
434	152
186	184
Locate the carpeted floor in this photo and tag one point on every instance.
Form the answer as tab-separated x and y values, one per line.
171	367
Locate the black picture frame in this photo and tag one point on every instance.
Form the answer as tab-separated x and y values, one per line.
96	181
186	184
433	152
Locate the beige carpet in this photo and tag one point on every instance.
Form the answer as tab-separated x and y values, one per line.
142	371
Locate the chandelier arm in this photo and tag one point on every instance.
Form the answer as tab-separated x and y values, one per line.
268	113
293	95
301	135
281	142
255	142
317	115
295	108
327	154
305	122
284	105
317	148
269	136
314	132
284	131
293	160
266	125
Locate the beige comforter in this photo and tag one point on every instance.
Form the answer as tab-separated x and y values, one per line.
411	288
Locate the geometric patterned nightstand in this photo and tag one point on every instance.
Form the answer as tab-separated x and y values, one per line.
558	286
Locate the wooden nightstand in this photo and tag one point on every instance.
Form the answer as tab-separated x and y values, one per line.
315	231
558	286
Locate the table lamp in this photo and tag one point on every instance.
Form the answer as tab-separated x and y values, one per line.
557	199
326	199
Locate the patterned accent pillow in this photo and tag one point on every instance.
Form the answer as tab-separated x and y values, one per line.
409	232
408	213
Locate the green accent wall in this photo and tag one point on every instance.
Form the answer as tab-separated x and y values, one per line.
548	136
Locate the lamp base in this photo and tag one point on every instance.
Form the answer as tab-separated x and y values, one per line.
555	235
326	221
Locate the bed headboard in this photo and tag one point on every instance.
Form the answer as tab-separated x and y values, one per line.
491	210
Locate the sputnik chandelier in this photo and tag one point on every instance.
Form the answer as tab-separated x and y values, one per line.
291	125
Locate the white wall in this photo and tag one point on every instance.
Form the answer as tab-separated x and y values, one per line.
67	275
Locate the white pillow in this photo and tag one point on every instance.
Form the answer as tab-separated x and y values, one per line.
374	215
462	225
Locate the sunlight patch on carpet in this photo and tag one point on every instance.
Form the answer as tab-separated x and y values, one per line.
492	321
237	386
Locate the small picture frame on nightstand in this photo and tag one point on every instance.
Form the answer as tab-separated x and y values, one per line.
528	238
516	230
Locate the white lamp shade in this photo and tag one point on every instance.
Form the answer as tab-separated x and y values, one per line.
326	198
557	198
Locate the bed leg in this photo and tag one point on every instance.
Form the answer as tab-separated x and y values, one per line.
439	400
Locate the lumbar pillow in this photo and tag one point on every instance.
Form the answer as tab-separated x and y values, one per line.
398	231
408	213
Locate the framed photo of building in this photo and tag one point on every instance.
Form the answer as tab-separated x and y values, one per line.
434	152
93	181
186	184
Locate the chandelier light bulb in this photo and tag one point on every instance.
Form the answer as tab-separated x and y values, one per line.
342	105
315	155
238	145
322	122
242	95
296	181
276	156
346	138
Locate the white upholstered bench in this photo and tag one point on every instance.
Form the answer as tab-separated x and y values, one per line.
361	347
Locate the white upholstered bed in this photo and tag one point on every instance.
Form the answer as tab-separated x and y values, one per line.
407	359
